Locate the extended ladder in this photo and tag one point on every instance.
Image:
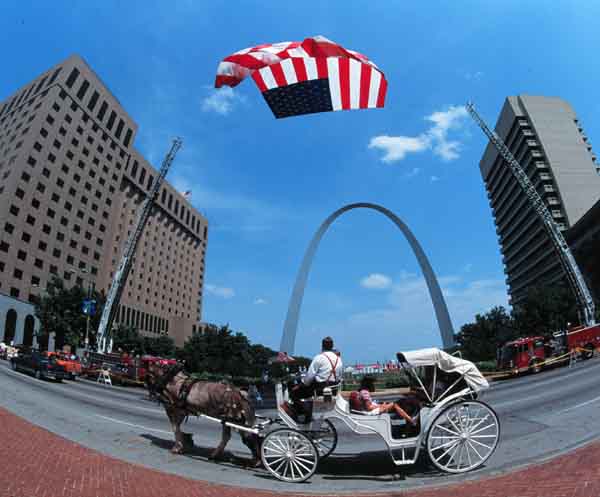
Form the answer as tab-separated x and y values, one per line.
582	294
120	277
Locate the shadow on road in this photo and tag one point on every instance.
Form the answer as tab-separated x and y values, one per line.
371	466
200	453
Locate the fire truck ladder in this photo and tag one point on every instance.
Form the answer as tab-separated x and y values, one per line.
120	277
582	294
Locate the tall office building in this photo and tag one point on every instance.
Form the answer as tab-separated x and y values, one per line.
71	187
545	136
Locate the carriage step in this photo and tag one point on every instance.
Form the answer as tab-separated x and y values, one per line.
405	455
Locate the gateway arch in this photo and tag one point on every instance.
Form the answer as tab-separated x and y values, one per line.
290	328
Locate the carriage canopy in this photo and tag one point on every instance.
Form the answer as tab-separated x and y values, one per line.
447	363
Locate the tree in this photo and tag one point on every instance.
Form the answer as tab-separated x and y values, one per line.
162	346
546	309
60	311
128	339
478	341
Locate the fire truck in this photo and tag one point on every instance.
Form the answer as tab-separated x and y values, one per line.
529	353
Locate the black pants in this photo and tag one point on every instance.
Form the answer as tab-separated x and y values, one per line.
302	391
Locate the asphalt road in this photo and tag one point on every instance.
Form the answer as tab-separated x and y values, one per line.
540	416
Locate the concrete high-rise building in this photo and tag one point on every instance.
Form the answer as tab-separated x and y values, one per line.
545	136
71	187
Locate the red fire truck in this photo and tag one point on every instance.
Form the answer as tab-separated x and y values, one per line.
528	353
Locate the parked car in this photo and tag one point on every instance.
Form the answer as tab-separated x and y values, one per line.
40	364
70	362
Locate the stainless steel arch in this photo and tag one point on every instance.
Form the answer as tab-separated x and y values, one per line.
290	328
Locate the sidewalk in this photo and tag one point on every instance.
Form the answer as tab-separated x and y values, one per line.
37	463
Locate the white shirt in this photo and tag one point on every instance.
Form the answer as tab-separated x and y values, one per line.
321	370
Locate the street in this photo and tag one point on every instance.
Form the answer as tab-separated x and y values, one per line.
540	416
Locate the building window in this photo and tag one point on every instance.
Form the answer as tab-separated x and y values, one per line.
31	161
39	263
72	77
83	89
102	112
128	136
30	220
21	255
111	120
35	203
18	274
26	237
9	228
119	128
25	177
14	210
42	246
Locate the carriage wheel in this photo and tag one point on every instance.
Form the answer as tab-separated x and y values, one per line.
325	439
289	455
463	436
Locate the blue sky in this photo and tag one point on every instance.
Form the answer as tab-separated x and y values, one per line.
265	185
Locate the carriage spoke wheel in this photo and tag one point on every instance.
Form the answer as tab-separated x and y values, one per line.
463	436
325	439
289	455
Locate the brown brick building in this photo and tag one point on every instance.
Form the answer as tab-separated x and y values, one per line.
71	185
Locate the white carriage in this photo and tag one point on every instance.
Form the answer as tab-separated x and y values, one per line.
458	431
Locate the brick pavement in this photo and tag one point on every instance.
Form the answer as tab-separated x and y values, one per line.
37	463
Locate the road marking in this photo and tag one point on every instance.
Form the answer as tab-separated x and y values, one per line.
134	425
578	405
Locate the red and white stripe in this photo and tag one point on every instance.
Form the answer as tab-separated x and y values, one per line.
354	81
352	84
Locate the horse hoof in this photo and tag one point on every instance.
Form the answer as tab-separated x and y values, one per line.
216	455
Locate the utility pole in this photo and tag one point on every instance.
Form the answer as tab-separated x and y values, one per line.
585	302
120	276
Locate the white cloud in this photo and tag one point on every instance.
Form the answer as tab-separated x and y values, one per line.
474	75
220	291
435	138
260	301
221	101
451	119
415	171
396	147
435	178
376	281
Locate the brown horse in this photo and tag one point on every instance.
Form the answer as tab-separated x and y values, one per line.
181	396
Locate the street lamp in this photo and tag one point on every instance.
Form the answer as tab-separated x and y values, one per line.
88	307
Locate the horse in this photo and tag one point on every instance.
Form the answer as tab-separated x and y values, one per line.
181	395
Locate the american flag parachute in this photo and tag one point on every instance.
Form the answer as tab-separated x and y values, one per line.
315	75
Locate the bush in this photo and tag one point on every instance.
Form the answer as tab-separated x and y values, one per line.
486	365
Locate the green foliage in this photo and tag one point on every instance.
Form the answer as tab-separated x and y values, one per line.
478	341
59	310
546	310
221	352
128	339
486	365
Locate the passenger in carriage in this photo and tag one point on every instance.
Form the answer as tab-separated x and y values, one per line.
361	401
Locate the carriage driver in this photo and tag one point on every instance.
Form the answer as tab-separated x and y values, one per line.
324	370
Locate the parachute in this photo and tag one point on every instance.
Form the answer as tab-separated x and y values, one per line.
315	75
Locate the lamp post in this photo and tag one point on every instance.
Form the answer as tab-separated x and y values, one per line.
89	311
87	308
